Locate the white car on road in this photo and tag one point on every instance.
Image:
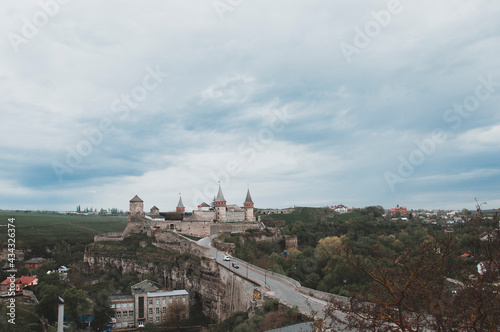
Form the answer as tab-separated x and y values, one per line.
226	258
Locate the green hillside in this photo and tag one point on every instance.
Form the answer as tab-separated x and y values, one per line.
40	228
309	215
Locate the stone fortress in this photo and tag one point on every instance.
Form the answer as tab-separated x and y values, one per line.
205	221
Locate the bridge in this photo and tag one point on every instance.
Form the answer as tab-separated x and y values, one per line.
287	290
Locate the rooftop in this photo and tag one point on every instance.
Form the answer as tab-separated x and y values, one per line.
146	286
168	293
136	199
121	298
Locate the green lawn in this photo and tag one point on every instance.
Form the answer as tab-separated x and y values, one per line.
39	228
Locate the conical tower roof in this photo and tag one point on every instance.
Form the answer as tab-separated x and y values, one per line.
248	199
136	199
220	196
180	205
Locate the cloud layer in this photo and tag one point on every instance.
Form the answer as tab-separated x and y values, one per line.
306	103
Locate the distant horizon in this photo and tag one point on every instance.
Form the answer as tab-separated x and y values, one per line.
257	208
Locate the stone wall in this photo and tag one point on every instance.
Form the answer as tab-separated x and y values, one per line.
195	228
224	247
178	243
137	225
239	289
271	235
236	216
112	236
229	227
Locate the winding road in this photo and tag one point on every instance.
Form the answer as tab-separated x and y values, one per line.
283	288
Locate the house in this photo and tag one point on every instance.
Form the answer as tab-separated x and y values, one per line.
154	304
399	209
63	271
123	305
20	284
341	208
35	262
484	267
203	207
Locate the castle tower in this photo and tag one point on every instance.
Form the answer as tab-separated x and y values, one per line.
180	207
154	210
248	206
136	206
220	206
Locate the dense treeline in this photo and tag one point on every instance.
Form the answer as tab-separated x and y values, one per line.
409	274
320	261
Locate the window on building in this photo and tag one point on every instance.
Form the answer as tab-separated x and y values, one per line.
151	302
141	307
169	300
124	314
119	305
164	301
118	324
131	313
157	311
183	299
118	314
157	301
113	306
164	309
157	319
150	311
151	319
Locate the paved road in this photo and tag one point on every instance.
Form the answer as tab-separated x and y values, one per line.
282	289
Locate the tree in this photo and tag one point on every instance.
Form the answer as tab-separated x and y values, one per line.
48	297
410	291
102	311
328	247
76	305
176	312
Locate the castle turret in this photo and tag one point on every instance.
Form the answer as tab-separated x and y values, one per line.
220	206
154	210
136	206
248	206
180	207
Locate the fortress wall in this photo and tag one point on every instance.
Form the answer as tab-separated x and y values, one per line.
227	227
173	241
112	236
205	215
235	216
194	228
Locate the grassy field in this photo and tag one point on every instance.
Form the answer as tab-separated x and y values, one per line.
39	228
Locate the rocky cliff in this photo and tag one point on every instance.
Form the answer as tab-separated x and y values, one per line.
200	276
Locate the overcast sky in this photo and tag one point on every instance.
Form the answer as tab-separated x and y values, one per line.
306	103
